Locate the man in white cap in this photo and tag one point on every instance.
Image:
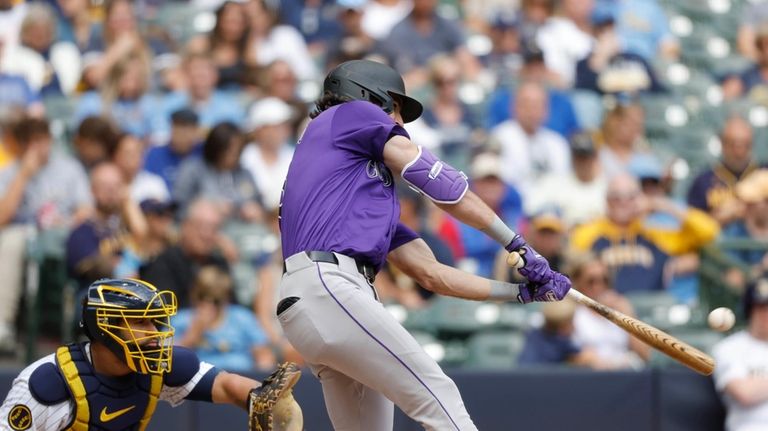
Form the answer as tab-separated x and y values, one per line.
268	154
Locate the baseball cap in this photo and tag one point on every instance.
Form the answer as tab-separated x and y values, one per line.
603	15
506	21
486	165
185	116
582	144
558	313
267	112
756	294
156	206
549	219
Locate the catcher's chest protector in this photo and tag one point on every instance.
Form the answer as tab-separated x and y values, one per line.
103	403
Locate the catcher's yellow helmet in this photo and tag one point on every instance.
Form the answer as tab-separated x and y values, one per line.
116	313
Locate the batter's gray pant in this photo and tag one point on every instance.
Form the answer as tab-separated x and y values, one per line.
364	359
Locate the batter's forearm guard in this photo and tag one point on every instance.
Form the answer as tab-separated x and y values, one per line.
439	181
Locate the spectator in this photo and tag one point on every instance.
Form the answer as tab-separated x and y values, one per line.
505	58
486	181
381	15
315	19
533	15
227	44
752	192
566	39
95	141
622	137
200	237
713	189
546	234
643	28
741	365
124	98
272	41
560	116
226	335
615	348
15	91
529	150
751	83
8	119
211	105
38	189
420	36
553	343
11	15
74	22
268	155
106	244
681	271
753	16
219	176
580	193
164	160
128	155
51	67
637	254
118	39
267	297
352	42
608	68
278	80
160	228
446	114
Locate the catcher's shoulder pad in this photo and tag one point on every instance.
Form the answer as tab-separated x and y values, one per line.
185	364
47	385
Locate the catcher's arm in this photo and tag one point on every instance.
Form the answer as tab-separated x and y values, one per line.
229	388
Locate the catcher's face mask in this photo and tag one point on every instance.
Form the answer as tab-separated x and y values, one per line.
143	336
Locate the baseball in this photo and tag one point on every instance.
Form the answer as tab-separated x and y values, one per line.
721	319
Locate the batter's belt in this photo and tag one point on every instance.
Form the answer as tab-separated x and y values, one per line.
366	270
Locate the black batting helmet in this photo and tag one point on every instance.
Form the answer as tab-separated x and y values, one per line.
374	82
109	310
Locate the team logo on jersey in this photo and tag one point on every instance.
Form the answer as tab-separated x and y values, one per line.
20	418
376	169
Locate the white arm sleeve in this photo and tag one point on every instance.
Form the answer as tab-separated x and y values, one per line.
24	405
176	395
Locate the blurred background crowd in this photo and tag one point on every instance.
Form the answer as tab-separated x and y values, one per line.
624	138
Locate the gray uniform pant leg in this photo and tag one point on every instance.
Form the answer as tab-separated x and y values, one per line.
348	337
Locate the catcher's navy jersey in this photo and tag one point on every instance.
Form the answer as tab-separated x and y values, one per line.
339	196
40	401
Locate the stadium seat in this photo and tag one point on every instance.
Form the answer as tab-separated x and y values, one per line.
494	350
659	309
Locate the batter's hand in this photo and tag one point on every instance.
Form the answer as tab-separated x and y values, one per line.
534	266
553	290
271	407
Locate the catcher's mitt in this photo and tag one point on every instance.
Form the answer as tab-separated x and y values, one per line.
271	406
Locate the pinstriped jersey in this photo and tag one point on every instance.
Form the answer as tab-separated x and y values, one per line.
22	411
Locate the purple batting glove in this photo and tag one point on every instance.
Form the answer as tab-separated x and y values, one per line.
536	268
553	290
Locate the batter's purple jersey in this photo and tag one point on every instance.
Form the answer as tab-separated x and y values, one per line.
338	195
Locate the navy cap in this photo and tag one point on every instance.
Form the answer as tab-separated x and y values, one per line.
505	21
185	116
156	206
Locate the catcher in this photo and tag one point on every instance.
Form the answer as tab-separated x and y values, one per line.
114	381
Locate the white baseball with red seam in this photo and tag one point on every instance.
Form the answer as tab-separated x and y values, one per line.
721	319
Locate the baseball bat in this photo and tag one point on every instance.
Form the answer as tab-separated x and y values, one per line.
682	352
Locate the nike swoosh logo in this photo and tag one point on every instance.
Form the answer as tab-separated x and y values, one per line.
106	417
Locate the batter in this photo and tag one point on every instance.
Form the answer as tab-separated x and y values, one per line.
339	223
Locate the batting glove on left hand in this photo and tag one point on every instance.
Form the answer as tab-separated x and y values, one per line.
535	267
553	290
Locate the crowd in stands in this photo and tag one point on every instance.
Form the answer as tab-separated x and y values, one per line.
157	134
